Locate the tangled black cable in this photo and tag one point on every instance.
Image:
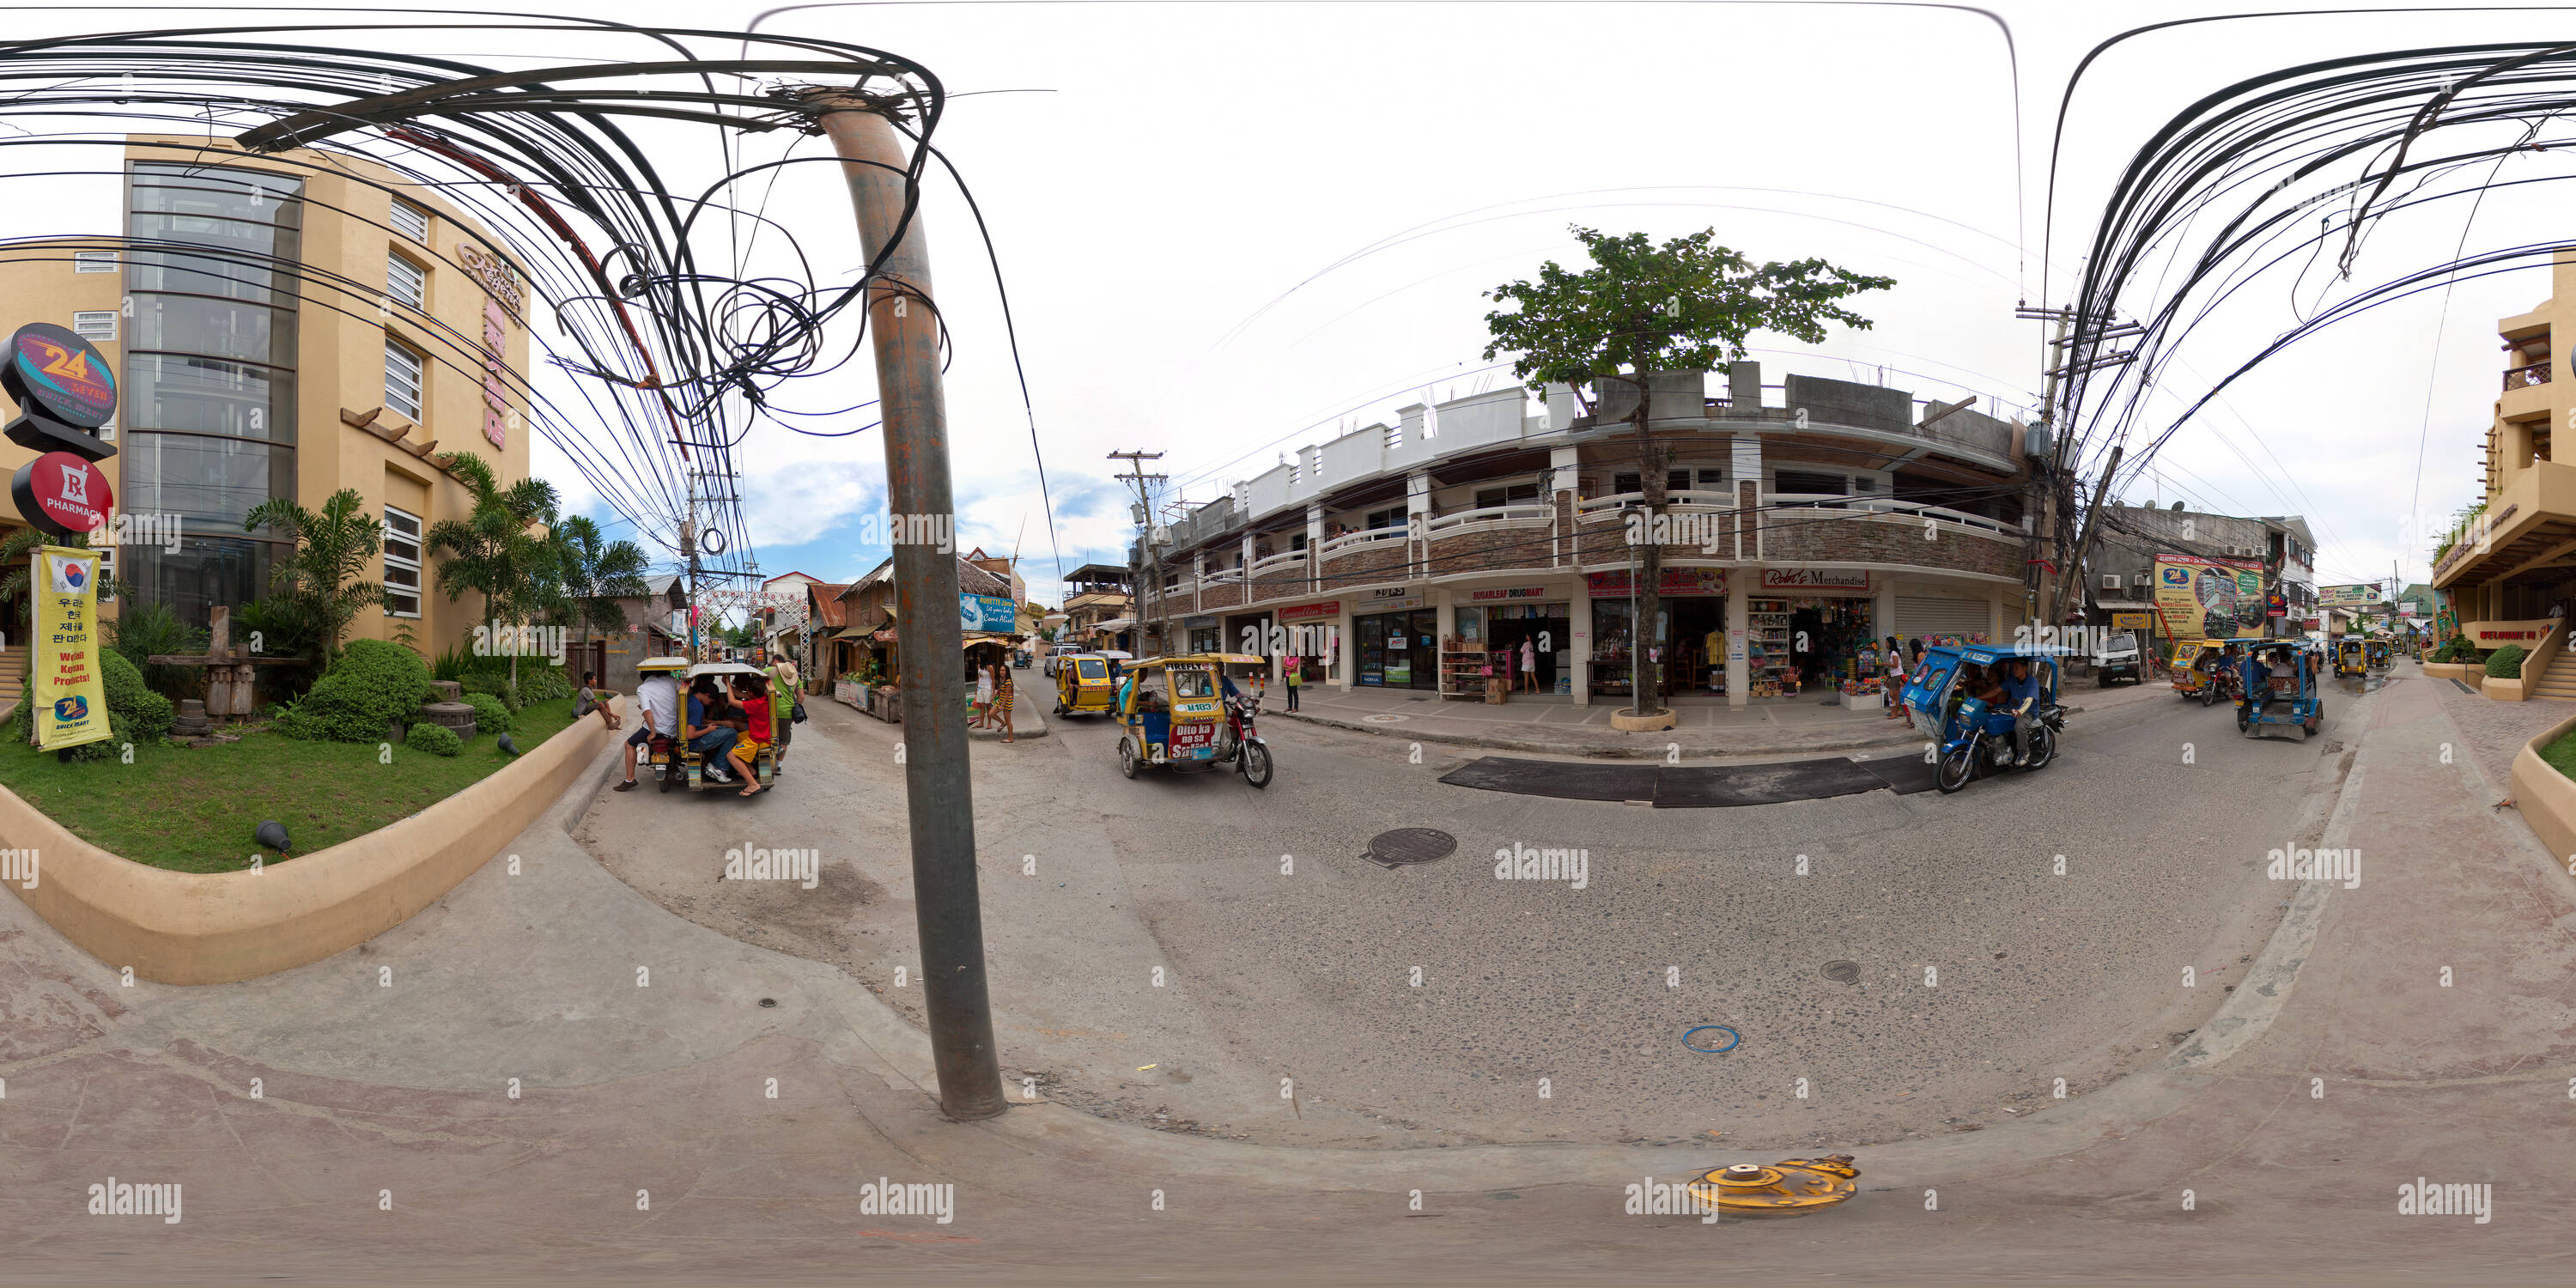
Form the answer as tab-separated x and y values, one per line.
676	354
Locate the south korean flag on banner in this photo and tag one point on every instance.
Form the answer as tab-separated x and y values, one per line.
71	574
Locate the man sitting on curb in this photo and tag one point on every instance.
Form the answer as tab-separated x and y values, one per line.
657	703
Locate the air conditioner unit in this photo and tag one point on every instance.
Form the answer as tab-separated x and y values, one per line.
2110	581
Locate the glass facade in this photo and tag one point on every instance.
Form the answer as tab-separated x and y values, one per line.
209	375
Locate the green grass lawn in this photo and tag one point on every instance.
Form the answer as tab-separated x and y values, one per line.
194	809
2561	754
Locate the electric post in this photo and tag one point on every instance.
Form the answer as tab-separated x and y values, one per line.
1153	569
939	797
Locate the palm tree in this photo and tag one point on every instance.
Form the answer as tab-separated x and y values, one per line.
334	550
499	549
597	573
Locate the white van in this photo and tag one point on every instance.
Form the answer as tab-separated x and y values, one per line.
2116	657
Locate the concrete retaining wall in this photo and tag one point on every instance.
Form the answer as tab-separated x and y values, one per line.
2469	673
2546	797
214	928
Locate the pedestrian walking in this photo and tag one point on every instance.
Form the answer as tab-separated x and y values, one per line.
1529	664
1002	702
1291	679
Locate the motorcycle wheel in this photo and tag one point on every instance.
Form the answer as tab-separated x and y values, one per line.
1127	756
2316	719
2209	694
669	772
2244	717
1956	769
1256	764
2043	747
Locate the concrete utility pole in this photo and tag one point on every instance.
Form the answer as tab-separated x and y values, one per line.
939	798
2075	559
1153	570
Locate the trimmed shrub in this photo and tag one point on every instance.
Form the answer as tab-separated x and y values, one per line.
436	739
2506	662
544	684
137	710
490	715
374	684
154	630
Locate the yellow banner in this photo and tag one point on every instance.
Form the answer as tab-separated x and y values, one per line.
2208	598
70	686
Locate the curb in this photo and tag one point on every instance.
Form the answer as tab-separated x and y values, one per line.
1615	751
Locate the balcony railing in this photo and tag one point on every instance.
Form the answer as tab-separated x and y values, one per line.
1887	505
2524	377
1678	499
1491	516
1361	540
1276	563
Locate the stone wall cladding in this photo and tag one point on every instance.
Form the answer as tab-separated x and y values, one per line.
1495	549
1286	584
1368	566
1797	537
1225	596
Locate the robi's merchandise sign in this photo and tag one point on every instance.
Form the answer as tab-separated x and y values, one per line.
70	687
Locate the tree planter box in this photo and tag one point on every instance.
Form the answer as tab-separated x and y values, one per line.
1865	701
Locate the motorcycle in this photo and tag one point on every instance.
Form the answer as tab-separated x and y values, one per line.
1241	745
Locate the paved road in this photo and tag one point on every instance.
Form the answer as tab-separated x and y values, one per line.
2422	1031
1542	1011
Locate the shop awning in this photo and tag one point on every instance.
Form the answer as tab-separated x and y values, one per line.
1116	624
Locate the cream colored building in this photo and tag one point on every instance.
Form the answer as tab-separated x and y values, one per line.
287	325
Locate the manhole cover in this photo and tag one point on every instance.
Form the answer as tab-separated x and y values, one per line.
1409	845
1841	972
1388	719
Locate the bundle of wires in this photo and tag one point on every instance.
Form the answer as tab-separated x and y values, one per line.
676	351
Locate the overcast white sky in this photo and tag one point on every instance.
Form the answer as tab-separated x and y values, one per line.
1189	165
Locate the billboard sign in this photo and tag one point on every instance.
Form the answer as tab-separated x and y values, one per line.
2199	598
2348	596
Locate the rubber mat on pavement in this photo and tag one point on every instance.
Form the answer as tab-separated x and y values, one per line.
1724	786
1565	779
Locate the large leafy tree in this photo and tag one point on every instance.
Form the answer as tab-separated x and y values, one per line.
596	574
335	548
1641	308
504	548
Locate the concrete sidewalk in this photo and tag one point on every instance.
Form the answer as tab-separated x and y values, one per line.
1542	723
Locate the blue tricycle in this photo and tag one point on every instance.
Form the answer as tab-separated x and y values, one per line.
2286	696
1971	737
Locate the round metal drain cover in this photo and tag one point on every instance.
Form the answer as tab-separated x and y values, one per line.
1384	719
1409	845
1841	972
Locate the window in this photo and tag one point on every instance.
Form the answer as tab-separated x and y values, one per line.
1628	481
405	282
1391	517
402	564
93	261
1712	479
410	220
1508	494
1297	542
1795	482
95	326
402	380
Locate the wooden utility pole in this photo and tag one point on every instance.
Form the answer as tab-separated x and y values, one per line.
939	797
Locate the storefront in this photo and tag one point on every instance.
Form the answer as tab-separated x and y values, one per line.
1812	630
1312	638
1688	645
1395	639
1202	634
1525	637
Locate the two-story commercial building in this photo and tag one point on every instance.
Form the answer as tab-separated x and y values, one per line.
2517	557
1803	521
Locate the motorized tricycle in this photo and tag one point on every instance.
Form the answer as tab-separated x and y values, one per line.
1083	684
1177	712
1971	736
673	762
2194	665
2280	683
2350	658
2378	655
